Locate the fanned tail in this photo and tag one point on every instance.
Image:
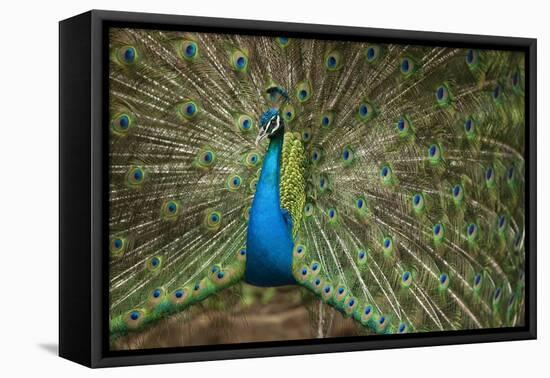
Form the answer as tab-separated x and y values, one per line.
403	173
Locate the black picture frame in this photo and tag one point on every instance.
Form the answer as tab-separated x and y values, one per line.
83	181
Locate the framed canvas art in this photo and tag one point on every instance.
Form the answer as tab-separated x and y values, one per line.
233	188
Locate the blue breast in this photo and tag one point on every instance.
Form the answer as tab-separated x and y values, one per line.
269	241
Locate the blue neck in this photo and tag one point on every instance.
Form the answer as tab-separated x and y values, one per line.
269	241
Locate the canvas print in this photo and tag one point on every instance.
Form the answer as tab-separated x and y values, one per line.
266	188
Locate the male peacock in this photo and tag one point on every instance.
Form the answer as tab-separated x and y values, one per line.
386	179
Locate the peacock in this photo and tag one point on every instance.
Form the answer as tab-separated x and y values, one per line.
387	180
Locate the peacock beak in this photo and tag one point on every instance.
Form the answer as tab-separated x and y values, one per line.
261	136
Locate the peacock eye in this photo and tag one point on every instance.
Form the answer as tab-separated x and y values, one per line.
299	250
386	175
127	55
252	159
180	296
434	153
477	281
350	305
306	135
206	157
288	113
135	177
443	281
472	57
189	49
326	119
387	246
438	230
442	95
407	66
233	182
239	60
212	219
117	243
372	53
458	194
382	322
367	314
283	41
418	202
502	223
333	60
308	209
156	296
244	123
154	263
438	233
323	183
170	210
403	126
348	155
406	279
497	295
303	91
253	184
402	328
471	232
188	110
361	256
361	204
341	292
315	155
117	246
121	123
365	111
490	177
469	128
332	215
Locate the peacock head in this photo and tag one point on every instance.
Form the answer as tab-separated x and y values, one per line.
271	122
